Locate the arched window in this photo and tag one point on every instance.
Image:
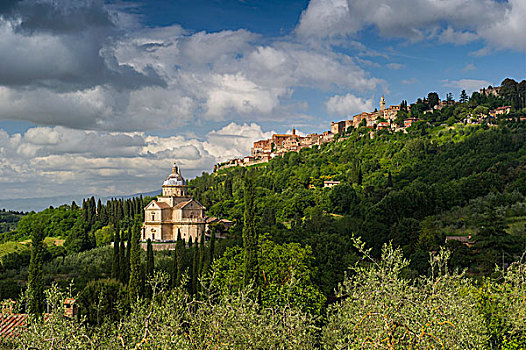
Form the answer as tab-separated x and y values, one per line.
153	216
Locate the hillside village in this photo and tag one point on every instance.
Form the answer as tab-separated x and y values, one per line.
395	118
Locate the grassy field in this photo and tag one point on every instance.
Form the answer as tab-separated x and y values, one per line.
11	247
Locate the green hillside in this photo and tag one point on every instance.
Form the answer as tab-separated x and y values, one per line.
410	188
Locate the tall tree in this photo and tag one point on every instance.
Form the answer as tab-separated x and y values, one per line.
178	260
35	283
195	267
149	259
99	209
212	245
202	254
463	97
134	285
250	234
128	254
122	261
115	267
432	99
191	265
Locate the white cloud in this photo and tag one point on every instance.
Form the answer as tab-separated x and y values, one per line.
451	36
469	85
500	24
236	92
326	18
158	78
348	105
395	66
48	160
507	31
410	81
469	67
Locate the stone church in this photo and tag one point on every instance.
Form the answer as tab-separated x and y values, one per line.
174	210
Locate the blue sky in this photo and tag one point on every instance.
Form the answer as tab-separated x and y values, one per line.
100	97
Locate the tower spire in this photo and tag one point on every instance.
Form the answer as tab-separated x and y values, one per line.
382	103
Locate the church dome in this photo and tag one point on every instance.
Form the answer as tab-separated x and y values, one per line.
175	178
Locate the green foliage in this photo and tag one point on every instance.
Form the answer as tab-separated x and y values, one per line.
177	268
379	308
149	259
134	285
171	320
104	235
501	304
101	300
285	278
115	266
35	283
250	235
8	222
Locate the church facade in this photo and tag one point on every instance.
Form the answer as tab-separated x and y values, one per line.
174	211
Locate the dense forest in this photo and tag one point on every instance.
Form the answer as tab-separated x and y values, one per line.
421	245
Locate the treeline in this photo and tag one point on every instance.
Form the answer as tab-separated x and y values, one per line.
76	228
514	93
8	222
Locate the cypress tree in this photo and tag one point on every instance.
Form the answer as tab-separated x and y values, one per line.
149	259
134	285
178	260
122	261
195	267
109	212
250	234
202	254
360	176
212	246
189	262
93	211
125	206
115	268
128	253
389	179
35	283
103	217
99	209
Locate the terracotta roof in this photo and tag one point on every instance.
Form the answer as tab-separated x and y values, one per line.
11	325
182	204
161	205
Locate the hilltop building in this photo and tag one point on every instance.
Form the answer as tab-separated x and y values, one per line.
278	144
383	119
264	150
174	211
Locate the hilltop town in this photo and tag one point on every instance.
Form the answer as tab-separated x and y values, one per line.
395	118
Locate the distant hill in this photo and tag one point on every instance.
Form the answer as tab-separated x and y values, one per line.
41	203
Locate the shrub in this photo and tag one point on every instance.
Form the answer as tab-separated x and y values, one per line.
380	309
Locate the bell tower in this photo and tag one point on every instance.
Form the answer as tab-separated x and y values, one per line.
382	103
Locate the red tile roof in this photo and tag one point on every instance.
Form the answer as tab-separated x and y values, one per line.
163	205
182	204
11	325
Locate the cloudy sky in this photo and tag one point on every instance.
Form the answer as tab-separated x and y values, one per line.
99	97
